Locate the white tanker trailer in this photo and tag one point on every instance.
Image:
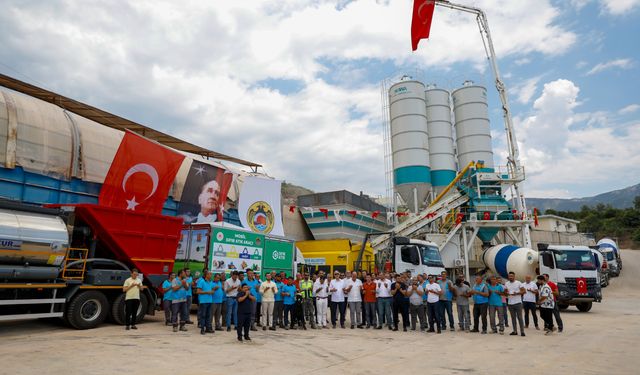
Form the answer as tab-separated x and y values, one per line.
573	268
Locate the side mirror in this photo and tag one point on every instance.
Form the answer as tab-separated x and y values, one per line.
547	260
543	246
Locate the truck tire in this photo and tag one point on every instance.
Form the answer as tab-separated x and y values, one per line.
563	306
584	306
117	309
87	310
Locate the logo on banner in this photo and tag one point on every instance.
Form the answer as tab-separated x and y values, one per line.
220	236
260	217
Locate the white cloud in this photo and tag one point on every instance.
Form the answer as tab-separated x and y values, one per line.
631	108
564	150
525	90
619	7
198	69
618	63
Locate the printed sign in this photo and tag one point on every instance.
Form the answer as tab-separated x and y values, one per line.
236	251
315	261
278	254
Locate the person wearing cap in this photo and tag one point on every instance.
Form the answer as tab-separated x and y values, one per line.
338	304
306	292
547	304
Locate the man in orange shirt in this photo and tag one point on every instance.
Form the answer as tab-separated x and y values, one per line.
369	291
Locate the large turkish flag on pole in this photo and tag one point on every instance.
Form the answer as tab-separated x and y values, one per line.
421	21
140	176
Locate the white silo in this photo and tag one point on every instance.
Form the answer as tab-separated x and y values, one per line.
410	142
441	152
473	132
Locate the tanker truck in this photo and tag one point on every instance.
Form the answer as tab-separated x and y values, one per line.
572	268
70	262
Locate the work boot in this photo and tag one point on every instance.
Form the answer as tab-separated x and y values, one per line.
175	328
183	328
134	327
272	328
208	330
202	331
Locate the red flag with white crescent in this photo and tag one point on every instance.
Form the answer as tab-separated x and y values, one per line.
421	21
581	285
140	175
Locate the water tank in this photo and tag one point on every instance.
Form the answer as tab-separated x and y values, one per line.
608	243
31	240
441	152
502	259
410	142
473	133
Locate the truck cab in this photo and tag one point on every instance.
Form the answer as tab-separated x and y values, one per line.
416	256
574	270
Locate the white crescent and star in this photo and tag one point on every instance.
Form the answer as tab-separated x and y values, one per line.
426	2
140	168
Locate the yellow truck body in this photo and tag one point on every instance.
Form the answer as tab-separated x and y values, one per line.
335	255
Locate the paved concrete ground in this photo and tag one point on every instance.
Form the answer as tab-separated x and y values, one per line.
604	340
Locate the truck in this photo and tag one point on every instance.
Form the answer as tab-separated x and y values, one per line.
70	261
572	268
335	255
224	248
402	254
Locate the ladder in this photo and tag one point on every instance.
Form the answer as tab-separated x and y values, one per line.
427	216
75	264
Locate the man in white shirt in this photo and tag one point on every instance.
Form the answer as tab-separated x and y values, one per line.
231	287
336	288
383	291
433	291
515	290
321	290
529	301
268	289
353	289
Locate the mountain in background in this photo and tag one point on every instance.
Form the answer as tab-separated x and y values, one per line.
622	198
290	192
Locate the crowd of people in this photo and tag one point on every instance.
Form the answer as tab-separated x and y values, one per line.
320	301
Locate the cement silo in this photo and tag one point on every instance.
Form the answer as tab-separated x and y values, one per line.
473	133
410	142
441	152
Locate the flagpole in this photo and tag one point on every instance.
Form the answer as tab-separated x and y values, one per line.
513	161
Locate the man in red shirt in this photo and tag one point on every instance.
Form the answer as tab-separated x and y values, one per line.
369	292
297	281
556	309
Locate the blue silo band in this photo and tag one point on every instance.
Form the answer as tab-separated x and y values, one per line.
442	177
412	174
501	259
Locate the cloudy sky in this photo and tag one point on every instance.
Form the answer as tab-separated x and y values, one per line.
295	84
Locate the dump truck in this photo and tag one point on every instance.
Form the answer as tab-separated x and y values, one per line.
70	261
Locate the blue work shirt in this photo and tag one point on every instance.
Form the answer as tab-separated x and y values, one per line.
444	285
189	292
168	295
278	296
478	299
424	287
218	296
291	298
180	294
252	288
205	286
494	298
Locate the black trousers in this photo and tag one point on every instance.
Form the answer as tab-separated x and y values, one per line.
131	311
401	307
480	310
244	323
530	306
335	307
556	314
547	316
433	311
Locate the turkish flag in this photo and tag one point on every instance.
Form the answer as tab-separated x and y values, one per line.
581	285
421	21
140	176
325	212
352	213
375	214
292	209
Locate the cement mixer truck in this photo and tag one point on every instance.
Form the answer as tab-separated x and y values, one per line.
572	268
70	262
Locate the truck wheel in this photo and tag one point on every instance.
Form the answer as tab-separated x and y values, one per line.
117	309
584	306
562	306
87	310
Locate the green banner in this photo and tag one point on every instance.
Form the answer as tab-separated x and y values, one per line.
278	255
233	250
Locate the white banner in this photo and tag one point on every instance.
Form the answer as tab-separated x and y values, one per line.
259	206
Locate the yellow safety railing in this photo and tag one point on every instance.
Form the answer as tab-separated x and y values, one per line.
75	264
453	183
